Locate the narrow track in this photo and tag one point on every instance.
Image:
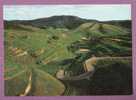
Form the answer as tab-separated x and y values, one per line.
91	70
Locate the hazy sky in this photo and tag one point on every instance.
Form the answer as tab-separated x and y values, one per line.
98	12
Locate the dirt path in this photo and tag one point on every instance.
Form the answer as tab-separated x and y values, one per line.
28	87
90	69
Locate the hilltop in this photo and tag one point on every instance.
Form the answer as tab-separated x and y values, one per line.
64	21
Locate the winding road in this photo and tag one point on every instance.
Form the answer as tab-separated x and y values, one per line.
89	68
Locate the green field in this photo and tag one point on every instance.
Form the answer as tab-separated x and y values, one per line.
52	61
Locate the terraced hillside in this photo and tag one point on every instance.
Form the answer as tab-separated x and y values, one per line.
47	58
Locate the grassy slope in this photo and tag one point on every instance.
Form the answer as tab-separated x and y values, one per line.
54	42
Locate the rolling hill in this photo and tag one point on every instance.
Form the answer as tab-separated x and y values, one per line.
64	21
39	51
69	22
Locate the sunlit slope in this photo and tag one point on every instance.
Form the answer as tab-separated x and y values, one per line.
100	29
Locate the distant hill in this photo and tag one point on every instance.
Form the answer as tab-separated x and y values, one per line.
70	22
123	23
